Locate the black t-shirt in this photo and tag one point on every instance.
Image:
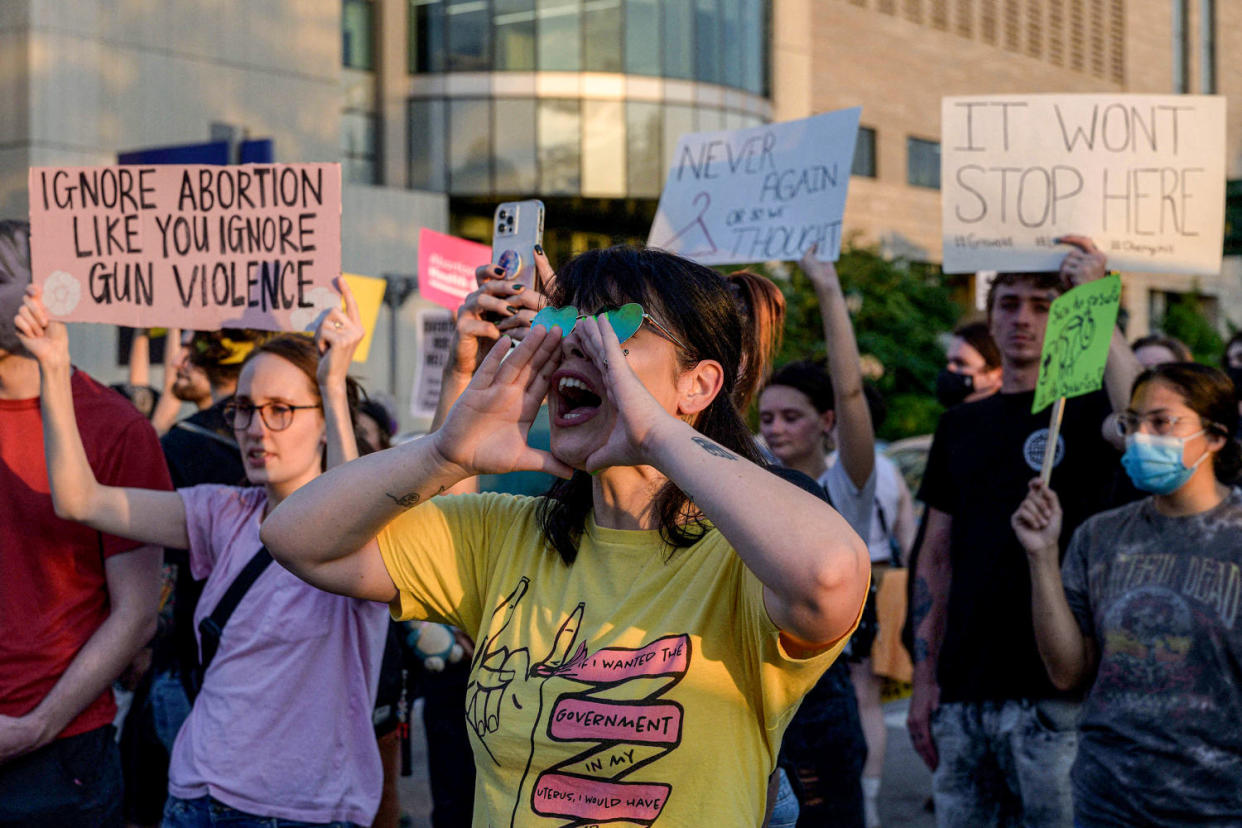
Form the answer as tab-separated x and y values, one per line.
202	449
982	458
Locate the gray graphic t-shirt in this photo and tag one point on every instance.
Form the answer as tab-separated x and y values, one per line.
1161	734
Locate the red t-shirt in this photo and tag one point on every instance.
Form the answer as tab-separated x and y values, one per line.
53	593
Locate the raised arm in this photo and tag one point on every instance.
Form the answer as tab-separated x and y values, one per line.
168	407
324	532
813	566
855	433
147	515
499	307
1068	655
337	337
1086	263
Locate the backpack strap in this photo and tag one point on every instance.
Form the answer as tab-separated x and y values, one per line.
212	627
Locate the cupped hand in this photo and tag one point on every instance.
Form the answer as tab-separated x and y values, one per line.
337	337
1037	523
822	274
1085	263
45	340
485	431
639	416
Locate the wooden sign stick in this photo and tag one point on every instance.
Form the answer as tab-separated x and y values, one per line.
1054	431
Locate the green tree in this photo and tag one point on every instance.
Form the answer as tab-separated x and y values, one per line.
899	310
1184	320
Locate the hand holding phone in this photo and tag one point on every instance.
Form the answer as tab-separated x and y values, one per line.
517	228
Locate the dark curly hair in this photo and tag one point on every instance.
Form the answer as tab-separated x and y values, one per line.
1208	392
696	304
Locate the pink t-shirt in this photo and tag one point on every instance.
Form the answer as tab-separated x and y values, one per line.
282	726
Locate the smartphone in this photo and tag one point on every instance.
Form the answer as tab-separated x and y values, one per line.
516	229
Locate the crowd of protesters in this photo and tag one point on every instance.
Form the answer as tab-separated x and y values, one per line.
680	631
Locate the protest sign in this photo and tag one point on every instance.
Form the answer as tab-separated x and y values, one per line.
1142	175
369	293
196	247
1080	327
435	338
446	267
758	194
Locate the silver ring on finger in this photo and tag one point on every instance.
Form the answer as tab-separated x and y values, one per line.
605	362
336	323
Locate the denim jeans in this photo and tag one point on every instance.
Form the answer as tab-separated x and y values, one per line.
72	781
785	809
1005	763
205	812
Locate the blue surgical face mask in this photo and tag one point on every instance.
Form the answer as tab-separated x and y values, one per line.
1155	463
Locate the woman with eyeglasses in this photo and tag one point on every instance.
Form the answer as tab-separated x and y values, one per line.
645	631
1143	614
281	727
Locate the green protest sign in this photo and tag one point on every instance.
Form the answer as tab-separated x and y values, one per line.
1080	326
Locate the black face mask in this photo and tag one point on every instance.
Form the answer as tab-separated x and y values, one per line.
1235	374
952	387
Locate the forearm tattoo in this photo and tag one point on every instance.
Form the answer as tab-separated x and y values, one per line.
920	607
711	448
410	500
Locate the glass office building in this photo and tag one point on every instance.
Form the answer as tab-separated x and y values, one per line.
577	102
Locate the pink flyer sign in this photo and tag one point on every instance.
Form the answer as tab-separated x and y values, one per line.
199	247
446	267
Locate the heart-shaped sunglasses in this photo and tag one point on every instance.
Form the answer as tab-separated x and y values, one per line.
624	321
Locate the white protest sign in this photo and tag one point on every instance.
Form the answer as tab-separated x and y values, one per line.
1142	175
434	339
758	194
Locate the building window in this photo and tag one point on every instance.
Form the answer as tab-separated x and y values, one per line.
515	34
469	146
358	34
469	33
560	146
707	41
642	37
425	34
864	153
603	148
1181	46
678	38
678	120
1207	47
644	128
923	163
427	131
360	147
601	23
513	146
559	32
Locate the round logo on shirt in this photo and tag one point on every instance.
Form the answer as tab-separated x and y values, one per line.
1033	449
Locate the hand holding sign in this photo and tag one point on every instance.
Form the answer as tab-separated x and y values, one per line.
47	341
337	338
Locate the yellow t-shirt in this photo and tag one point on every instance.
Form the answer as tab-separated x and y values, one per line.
630	688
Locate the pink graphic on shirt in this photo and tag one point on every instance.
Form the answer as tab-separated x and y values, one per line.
595	800
623	735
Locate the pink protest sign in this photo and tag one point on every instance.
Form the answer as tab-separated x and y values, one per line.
200	247
446	267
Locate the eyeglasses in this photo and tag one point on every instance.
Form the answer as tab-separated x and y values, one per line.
277	416
624	321
1160	423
